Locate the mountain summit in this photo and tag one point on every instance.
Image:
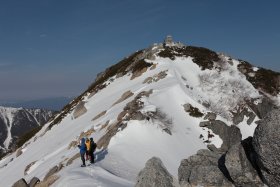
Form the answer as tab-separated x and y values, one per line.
167	101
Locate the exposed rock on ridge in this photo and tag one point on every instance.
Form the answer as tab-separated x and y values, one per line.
266	143
154	174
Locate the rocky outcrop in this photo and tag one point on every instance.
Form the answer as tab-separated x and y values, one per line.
202	170
33	182
193	111
20	183
210	116
240	168
261	109
99	115
266	143
154	174
48	182
229	134
124	96
52	171
79	110
238	117
155	78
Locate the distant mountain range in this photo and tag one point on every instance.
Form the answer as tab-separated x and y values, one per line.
55	103
16	122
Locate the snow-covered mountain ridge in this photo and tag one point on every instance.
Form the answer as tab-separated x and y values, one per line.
151	103
15	122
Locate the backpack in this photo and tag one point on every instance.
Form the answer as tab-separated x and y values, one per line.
94	145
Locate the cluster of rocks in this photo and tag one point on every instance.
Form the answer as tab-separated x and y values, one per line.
156	78
79	110
254	161
48	180
130	112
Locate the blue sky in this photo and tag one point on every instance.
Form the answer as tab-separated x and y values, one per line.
52	48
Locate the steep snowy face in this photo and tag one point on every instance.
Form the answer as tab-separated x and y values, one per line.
168	101
15	122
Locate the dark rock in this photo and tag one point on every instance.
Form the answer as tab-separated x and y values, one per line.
19	152
204	123
20	183
238	117
33	182
51	172
229	134
202	170
214	149
266	143
262	108
210	116
240	169
154	174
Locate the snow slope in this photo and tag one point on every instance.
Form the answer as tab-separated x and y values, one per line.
120	162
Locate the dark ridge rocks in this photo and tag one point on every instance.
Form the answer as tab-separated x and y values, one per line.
240	168
154	175
203	57
266	143
193	111
202	169
229	134
263	79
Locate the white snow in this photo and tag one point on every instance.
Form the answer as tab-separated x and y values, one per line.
255	68
7	114
130	148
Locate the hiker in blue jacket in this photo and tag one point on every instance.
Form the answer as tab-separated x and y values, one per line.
83	150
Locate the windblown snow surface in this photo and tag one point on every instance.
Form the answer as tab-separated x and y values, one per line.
130	148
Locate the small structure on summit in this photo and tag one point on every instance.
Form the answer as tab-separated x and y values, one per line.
168	41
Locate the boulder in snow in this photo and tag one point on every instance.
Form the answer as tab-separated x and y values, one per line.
154	174
240	169
266	142
20	183
229	134
202	170
33	182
